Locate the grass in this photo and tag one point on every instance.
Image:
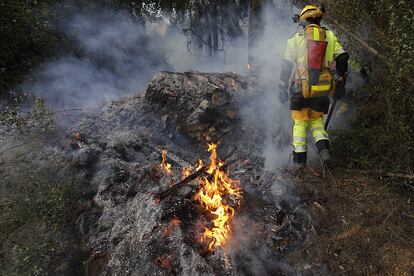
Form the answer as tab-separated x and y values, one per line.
35	213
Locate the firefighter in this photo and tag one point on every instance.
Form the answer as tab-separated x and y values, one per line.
314	65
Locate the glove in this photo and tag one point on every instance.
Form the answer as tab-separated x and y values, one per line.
283	95
340	86
296	101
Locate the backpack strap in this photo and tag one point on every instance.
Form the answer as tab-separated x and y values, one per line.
315	32
314	75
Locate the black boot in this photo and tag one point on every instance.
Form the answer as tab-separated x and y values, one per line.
324	151
299	159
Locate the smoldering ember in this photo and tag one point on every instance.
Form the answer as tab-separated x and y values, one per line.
170	138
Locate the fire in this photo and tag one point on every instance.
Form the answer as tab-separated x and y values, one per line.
186	172
175	221
216	192
164	164
212	197
76	135
200	165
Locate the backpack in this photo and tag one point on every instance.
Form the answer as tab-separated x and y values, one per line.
316	79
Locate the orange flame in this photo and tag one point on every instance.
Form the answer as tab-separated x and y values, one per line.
186	172
212	196
76	135
200	165
164	164
176	221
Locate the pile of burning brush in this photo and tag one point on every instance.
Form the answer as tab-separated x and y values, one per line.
218	195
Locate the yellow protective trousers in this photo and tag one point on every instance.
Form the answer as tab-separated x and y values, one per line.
300	128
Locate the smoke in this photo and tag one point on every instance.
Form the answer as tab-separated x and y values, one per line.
267	112
117	56
252	255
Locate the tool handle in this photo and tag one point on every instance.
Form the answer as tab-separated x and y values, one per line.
331	110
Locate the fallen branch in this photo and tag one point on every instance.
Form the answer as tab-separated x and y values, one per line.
384	59
400	175
179	161
17	146
173	189
360	41
358	197
384	173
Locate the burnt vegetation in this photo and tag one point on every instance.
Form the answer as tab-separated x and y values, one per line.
80	189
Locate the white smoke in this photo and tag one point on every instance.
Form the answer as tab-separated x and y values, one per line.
117	56
272	116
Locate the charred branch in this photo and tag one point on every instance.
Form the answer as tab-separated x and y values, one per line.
179	161
199	173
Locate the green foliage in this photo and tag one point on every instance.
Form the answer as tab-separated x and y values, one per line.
38	196
384	126
29	38
37	121
382	132
26	39
32	218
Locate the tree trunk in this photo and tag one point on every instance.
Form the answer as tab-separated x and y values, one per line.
255	28
215	27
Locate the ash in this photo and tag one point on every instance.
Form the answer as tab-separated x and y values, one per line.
124	230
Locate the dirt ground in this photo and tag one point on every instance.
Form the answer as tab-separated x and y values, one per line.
362	224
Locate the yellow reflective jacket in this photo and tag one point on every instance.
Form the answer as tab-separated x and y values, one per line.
295	53
296	47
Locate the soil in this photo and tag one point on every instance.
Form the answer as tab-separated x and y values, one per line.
362	224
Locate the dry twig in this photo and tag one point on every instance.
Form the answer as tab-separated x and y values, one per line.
358	197
389	174
17	146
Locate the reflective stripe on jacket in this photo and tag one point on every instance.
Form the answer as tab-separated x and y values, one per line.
295	53
296	47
